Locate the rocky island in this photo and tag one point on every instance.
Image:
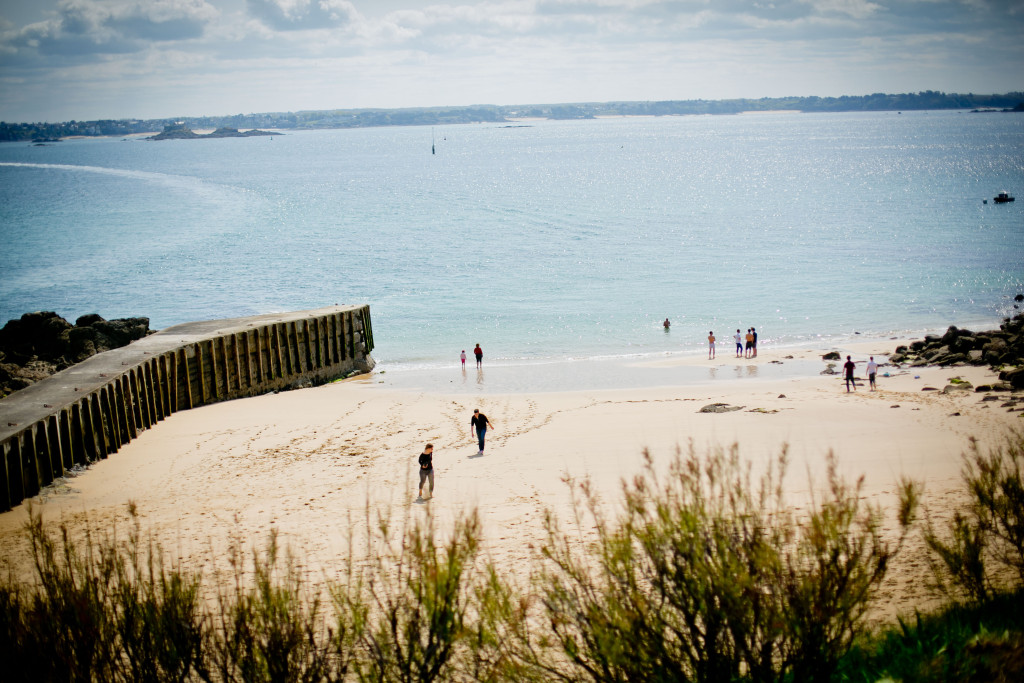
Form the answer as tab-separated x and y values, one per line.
179	131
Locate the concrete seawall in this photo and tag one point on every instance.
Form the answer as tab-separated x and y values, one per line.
90	410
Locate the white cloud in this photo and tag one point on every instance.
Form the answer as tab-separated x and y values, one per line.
296	15
84	27
858	9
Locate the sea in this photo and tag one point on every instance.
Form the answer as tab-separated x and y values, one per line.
552	244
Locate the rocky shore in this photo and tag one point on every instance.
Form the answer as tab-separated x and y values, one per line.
1002	350
39	344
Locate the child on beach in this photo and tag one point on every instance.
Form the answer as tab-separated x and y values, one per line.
463	357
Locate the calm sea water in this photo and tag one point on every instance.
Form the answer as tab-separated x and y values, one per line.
542	241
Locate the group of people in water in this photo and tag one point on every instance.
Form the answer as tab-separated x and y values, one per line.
746	346
478	352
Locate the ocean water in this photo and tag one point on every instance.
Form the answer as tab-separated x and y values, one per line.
543	241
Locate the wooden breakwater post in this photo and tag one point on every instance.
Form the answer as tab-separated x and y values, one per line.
91	409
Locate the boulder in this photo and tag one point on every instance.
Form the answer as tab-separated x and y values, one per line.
832	355
719	408
950	359
958	387
88	319
1014	378
43	334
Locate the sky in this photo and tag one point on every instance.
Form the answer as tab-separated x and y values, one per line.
92	59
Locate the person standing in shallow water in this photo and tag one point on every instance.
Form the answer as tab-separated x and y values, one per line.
739	344
848	367
463	359
479	423
711	345
427	468
666	324
479	353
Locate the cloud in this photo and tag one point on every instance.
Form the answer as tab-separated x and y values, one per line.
94	27
857	9
295	15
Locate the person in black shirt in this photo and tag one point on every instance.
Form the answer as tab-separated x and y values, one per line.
848	369
427	468
479	423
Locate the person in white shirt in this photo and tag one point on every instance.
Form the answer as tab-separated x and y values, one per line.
739	344
872	371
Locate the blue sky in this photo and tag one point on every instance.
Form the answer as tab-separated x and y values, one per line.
89	59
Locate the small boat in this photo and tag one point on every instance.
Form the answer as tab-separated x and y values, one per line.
1002	198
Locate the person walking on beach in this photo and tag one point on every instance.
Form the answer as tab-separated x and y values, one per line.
479	423
750	344
753	332
872	370
463	358
739	344
427	468
848	369
711	345
479	353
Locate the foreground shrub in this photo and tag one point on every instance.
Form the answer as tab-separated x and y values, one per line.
100	611
974	642
705	576
982	548
420	610
272	628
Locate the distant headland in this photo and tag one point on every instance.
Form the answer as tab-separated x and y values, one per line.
437	116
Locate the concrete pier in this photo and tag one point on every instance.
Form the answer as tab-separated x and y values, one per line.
90	410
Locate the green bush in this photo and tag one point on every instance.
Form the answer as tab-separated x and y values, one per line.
960	642
704	576
981	550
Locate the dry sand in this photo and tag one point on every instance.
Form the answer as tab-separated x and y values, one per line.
306	462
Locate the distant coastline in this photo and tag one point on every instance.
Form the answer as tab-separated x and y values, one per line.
437	116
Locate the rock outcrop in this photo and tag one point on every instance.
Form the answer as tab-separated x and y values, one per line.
178	131
1001	349
39	344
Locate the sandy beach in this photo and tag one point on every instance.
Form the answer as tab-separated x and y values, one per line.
307	462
